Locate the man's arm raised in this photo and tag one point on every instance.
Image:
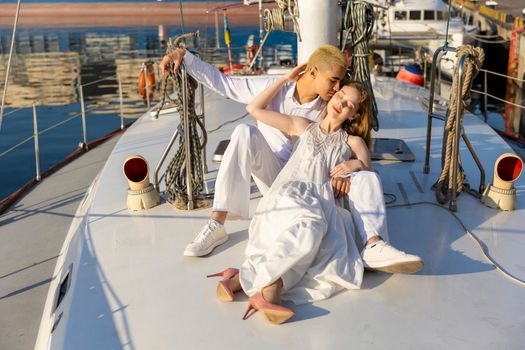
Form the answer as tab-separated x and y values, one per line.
257	108
239	89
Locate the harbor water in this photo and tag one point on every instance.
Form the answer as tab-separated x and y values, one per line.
50	64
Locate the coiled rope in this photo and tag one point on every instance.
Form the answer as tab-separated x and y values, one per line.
275	19
471	67
359	22
175	174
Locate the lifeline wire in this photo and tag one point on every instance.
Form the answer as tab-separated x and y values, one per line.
228	122
448	22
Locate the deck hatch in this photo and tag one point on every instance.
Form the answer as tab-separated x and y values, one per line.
219	151
390	149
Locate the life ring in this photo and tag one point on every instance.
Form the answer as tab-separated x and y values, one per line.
147	74
411	74
237	67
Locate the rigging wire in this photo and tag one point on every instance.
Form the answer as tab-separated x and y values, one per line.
445	46
482	247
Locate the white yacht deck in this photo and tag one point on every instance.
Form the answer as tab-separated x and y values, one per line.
32	232
133	288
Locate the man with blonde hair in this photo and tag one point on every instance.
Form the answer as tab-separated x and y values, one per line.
261	152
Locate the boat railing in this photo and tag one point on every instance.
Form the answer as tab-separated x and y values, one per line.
83	112
486	94
458	128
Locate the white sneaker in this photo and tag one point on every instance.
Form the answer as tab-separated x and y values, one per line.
211	235
382	256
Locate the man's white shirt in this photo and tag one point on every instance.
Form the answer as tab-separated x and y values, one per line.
245	89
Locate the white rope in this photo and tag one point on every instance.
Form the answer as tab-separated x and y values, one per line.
497	98
113	77
39	133
14	111
502	75
16	146
44	130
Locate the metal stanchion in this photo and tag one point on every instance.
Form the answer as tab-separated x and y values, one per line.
425	59
439	79
217	40
436	61
189	184
260	33
37	149
84	133
121	102
163	158
204	162
485	97
203	119
9	62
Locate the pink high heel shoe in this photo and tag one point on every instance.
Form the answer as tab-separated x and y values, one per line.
274	313
224	291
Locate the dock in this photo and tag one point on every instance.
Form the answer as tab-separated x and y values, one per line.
501	19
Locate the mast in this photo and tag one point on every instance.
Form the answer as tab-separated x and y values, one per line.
319	24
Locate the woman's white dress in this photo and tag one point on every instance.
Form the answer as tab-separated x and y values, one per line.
298	233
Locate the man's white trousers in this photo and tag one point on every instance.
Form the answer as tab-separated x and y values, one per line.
248	154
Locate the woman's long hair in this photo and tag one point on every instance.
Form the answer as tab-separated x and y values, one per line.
360	126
